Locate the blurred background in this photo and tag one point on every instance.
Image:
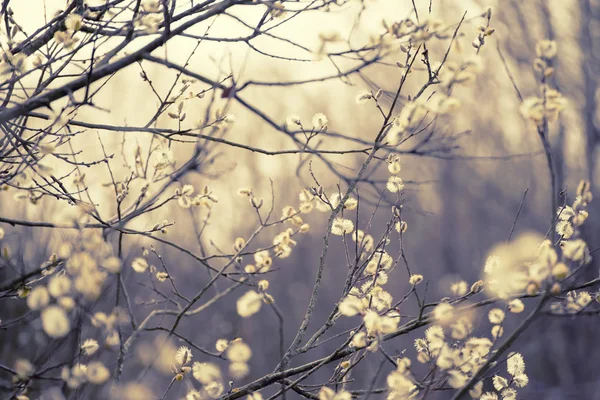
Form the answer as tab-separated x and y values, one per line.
458	204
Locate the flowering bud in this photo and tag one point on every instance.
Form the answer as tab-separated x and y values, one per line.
560	271
477	286
532	289
268	299
304	228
